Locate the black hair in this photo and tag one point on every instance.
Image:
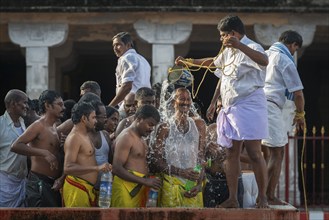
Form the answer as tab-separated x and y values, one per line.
93	86
69	103
96	103
125	37
81	109
89	97
157	89
110	111
33	104
148	111
47	96
231	23
290	37
144	92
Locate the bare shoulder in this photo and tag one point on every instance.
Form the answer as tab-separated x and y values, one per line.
212	127
73	138
200	123
65	127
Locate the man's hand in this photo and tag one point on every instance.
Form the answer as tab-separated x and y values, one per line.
105	167
153	183
210	112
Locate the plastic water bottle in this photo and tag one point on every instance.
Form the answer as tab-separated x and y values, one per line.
105	190
152	198
189	183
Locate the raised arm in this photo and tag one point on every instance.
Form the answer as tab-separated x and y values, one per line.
121	94
22	146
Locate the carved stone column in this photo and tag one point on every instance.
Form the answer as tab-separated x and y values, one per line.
163	37
268	34
37	38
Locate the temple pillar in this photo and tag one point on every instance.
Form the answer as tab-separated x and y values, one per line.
36	38
163	37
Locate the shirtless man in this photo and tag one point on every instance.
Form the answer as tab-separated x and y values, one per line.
80	163
129	163
128	107
42	143
178	149
143	96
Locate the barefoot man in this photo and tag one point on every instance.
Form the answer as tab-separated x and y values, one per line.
40	141
243	118
80	163
129	163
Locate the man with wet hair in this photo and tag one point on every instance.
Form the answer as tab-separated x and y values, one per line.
178	149
129	163
13	167
80	164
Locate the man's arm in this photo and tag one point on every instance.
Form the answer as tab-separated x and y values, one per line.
124	143
121	126
21	146
212	106
299	119
256	56
121	94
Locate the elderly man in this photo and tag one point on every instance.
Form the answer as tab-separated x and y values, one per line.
13	167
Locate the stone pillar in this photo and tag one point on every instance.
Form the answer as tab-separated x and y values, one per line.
267	34
163	37
37	38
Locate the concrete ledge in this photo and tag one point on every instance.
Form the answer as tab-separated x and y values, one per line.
273	213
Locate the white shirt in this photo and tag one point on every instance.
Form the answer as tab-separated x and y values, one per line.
241	76
10	162
133	67
281	74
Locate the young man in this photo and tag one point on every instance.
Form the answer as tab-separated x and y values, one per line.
132	72
143	96
281	75
80	163
178	149
41	142
241	69
13	167
129	163
100	138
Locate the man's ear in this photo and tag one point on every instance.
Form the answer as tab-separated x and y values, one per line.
84	119
47	105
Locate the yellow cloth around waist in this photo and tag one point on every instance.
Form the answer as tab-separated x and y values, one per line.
128	194
172	194
78	192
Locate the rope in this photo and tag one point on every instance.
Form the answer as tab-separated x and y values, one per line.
301	115
188	62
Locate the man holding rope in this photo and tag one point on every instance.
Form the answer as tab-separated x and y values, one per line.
243	119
